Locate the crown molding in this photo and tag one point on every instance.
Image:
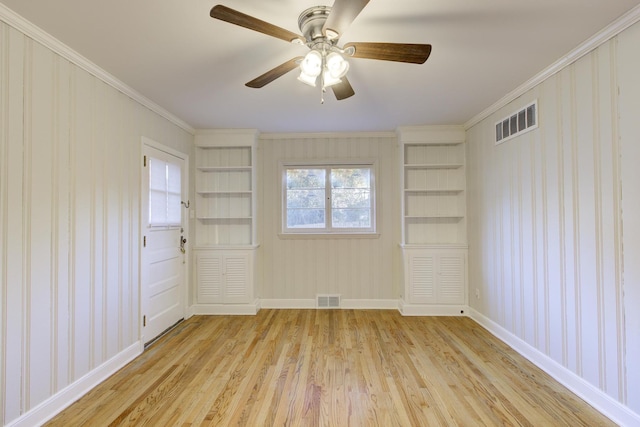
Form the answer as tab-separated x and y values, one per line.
39	35
332	135
610	31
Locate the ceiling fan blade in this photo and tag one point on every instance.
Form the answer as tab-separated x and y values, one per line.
399	52
232	16
343	90
273	74
342	14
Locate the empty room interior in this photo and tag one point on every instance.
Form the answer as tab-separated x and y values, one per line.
356	213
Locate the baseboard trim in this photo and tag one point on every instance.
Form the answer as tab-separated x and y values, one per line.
609	407
370	304
288	303
345	304
68	395
225	309
431	310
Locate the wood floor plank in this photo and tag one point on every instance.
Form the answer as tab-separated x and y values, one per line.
329	368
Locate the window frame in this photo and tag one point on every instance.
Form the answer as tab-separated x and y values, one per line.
329	230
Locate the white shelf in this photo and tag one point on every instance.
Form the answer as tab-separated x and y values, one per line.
433	229
418	217
225	183
433	185
225	218
443	191
434	166
224	193
225	168
434	143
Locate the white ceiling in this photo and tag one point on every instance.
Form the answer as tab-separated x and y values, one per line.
195	67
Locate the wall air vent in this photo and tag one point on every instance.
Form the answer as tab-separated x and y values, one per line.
328	301
517	123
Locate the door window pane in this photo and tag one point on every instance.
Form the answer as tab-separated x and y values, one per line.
164	193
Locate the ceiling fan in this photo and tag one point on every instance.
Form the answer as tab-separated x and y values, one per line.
321	28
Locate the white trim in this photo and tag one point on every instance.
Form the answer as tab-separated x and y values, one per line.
148	142
369	304
610	31
345	304
217	138
328	166
225	309
36	33
313	236
407	309
161	147
433	246
226	248
74	391
604	403
436	135
326	135
288	303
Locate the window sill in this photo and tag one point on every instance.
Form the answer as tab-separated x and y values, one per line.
313	236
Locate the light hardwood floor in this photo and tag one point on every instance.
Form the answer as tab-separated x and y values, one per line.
329	368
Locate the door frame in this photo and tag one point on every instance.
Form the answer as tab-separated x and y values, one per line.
148	142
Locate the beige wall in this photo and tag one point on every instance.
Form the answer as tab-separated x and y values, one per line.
628	73
69	214
357	268
546	227
553	222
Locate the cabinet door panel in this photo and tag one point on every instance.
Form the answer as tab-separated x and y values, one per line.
237	283
209	272
422	279
451	279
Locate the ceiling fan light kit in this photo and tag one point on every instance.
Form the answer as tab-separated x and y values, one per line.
321	27
336	66
310	68
331	68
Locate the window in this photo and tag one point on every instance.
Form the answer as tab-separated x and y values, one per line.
164	194
328	199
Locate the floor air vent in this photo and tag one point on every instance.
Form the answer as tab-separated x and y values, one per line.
328	301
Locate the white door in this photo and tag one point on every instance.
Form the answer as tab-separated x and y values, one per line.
163	258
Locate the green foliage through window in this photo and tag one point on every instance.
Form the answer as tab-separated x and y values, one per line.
329	198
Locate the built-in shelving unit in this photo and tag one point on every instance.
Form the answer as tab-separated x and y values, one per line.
433	191
225	214
225	202
433	212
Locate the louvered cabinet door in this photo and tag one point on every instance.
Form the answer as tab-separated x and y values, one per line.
237	271
209	278
435	276
422	279
224	277
451	278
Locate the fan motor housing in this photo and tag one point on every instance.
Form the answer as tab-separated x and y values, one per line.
311	22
